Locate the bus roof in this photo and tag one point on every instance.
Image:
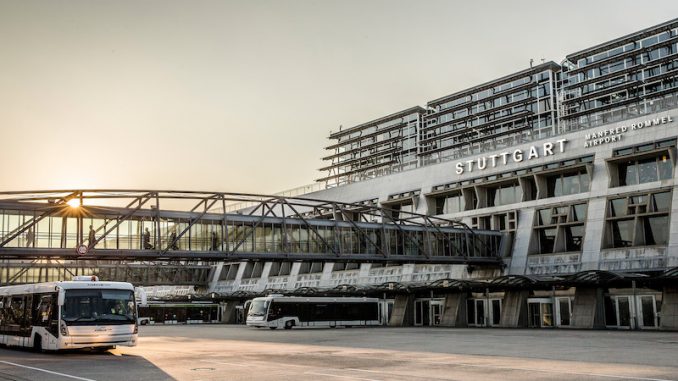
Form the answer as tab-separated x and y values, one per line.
315	299
52	286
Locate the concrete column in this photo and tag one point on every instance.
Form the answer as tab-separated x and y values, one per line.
294	274
326	277
454	312
672	254
669	312
588	309
595	233
215	276
514	309
239	274
521	242
228	312
403	311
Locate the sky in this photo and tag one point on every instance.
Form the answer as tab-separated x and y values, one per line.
241	96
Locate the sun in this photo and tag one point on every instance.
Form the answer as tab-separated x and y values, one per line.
74	203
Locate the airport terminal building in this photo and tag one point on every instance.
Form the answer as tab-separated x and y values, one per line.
575	162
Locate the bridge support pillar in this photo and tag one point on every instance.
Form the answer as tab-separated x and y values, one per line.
454	313
514	309
403	311
588	309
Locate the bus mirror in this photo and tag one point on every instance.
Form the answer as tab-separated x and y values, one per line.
61	300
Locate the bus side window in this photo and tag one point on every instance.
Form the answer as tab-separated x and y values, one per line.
43	311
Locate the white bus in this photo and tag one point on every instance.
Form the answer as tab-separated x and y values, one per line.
275	311
84	313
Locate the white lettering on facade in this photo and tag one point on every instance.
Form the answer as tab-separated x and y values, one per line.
613	135
516	156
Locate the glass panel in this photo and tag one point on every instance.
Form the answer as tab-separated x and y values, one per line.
547	238
547	314
656	230
618	207
545	216
571	184
622	233
535	315
574	236
496	312
628	174
647	306
564	306
610	312
647	171
662	201
470	311
480	312
665	167
579	212
623	306
584	178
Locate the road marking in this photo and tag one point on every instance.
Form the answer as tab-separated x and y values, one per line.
555	371
339	376
47	371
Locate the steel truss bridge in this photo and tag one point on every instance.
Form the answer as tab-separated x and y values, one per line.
172	237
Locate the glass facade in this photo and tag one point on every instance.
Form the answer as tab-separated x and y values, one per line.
619	80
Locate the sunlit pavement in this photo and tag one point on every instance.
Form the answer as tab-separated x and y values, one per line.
226	352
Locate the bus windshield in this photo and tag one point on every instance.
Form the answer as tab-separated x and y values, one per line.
258	308
87	307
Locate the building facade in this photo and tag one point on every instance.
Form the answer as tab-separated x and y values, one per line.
575	162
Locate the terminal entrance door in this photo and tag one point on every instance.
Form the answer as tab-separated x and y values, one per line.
428	312
540	312
619	311
647	311
483	312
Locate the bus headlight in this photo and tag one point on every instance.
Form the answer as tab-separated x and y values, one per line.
136	329
64	329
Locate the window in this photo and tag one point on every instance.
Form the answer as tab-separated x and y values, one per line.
652	162
567	183
504	194
559	229
638	220
645	170
452	203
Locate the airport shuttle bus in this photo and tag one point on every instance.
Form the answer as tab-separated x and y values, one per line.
84	313
276	311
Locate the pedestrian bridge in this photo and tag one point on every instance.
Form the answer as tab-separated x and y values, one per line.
204	227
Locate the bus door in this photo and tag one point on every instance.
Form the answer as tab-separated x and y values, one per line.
45	313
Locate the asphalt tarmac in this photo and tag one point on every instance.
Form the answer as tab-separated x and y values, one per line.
230	352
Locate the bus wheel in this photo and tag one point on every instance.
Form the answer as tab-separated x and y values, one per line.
37	343
289	324
272	327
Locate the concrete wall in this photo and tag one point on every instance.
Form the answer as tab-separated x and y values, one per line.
669	312
454	312
514	309
403	311
588	308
